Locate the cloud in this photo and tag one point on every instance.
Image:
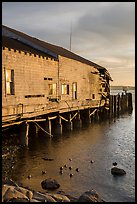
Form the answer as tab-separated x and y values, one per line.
103	32
113	22
107	34
96	21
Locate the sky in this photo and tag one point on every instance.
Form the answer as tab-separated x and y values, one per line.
102	32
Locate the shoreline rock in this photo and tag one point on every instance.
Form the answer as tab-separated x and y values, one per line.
90	196
16	193
12	192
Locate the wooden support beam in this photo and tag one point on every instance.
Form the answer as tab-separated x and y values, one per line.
19	122
48	133
24	130
51	118
63	118
92	112
73	116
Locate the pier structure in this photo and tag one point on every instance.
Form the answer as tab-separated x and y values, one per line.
47	88
120	104
58	122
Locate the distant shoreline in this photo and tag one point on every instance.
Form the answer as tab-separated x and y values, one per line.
122	87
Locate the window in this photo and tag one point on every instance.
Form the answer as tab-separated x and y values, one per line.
52	89
45	78
93	96
65	89
9	82
74	90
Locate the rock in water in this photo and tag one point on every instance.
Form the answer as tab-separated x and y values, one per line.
90	196
70	167
61	168
117	171
71	175
77	169
29	176
50	184
91	161
61	172
114	163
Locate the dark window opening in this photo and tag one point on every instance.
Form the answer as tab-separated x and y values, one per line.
33	96
45	78
93	96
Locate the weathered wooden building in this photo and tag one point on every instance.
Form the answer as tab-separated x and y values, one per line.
39	78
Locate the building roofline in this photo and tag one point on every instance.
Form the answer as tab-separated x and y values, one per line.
49	48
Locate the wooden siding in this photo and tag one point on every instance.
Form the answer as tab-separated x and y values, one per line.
31	73
74	71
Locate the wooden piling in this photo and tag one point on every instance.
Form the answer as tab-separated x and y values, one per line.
24	130
115	105
103	114
88	118
106	112
69	124
77	122
129	96
47	127
58	128
97	115
118	104
85	116
111	103
124	103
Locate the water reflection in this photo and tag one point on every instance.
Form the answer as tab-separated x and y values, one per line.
104	142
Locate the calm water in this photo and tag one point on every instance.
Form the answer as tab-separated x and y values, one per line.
104	143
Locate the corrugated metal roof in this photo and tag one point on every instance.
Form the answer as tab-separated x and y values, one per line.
57	49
